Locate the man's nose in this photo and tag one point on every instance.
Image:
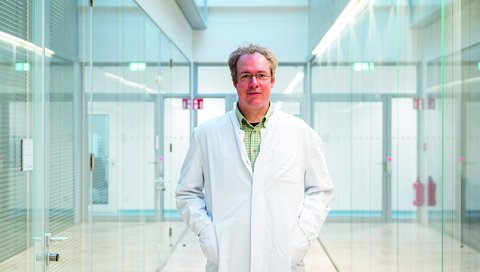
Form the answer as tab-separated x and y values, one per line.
253	81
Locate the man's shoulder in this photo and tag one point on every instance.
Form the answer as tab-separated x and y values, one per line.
215	124
290	120
296	126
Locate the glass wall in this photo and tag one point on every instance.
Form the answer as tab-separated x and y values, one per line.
214	83
136	72
41	119
394	99
16	105
87	160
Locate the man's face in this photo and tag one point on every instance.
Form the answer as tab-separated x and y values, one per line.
253	93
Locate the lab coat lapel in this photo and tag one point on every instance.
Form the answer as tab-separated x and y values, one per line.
266	134
239	135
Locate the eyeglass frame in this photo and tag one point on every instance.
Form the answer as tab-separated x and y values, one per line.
245	77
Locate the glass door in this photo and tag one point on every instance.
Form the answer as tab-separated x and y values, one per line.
79	138
469	158
353	135
471	174
124	79
22	221
404	147
212	107
101	189
63	135
41	149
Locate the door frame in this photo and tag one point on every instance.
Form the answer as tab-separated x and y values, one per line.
386	100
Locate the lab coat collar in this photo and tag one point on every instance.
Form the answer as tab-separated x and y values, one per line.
265	119
239	134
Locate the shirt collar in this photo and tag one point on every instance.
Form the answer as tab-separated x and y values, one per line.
265	118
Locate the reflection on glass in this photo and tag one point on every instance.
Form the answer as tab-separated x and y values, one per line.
290	107
135	68
99	145
212	107
418	60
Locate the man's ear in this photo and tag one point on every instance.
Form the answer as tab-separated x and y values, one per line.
272	81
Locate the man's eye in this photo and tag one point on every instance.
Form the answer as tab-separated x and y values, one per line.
245	76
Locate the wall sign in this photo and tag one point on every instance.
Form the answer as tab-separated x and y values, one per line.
27	154
194	104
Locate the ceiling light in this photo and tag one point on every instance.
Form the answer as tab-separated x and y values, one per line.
350	11
17	42
297	79
131	83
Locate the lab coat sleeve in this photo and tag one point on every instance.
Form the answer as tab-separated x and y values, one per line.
189	192
318	188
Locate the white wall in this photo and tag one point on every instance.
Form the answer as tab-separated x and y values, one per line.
284	30
131	153
324	13
168	16
256	3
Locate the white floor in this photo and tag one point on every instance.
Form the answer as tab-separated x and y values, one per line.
362	247
187	257
131	247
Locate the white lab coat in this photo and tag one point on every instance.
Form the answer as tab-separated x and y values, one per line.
261	220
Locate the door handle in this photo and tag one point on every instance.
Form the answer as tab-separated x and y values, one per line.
159	184
60	238
49	240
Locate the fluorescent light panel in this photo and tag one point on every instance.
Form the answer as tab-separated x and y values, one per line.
137	66
297	79
24	44
131	83
352	9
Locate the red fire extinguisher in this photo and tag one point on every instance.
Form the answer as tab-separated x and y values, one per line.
419	189
431	192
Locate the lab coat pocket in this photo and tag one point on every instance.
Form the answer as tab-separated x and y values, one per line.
299	245
284	165
208	244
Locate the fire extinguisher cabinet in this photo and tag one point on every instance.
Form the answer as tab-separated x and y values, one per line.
431	192
419	195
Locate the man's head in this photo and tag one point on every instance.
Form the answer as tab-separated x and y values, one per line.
251	49
253	74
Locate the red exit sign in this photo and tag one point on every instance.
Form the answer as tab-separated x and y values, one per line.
192	103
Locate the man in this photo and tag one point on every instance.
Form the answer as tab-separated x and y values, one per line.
254	185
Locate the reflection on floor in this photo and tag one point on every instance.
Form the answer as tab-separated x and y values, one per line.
187	257
115	246
396	247
129	246
361	247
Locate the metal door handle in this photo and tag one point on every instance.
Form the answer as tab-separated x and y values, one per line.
59	238
50	240
159	184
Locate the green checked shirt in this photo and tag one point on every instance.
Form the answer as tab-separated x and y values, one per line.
252	138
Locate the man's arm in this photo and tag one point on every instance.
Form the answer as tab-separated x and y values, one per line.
318	188
189	191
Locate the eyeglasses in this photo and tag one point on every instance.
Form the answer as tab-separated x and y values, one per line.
259	76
